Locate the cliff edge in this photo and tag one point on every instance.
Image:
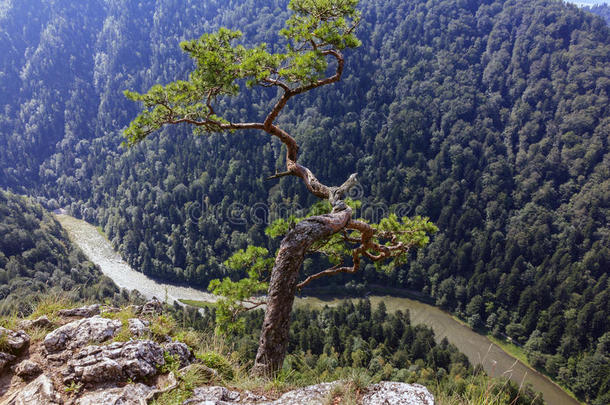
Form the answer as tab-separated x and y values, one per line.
104	355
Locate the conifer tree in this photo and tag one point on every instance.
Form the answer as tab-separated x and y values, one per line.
317	35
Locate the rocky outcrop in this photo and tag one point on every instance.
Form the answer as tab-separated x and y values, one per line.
27	369
38	392
85	312
13	342
119	361
41	322
75	364
80	333
138	327
180	351
130	394
384	393
397	394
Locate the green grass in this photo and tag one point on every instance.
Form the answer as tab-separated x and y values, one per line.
161	326
197	304
519	353
475	390
511	348
194	376
4	346
218	362
100	230
344	393
51	304
124	335
10	321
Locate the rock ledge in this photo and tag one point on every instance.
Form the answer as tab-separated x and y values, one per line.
76	364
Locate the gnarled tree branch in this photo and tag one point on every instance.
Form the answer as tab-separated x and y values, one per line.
366	247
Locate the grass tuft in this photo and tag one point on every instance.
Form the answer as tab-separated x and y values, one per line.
124	335
344	393
51	304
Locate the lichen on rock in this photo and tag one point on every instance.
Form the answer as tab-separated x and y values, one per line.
40	391
119	361
80	333
130	394
13	342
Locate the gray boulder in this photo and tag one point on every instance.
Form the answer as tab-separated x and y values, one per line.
101	371
27	369
41	322
130	394
15	341
80	333
119	361
85	312
138	327
180	351
397	393
38	392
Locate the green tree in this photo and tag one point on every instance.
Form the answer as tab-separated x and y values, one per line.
317	33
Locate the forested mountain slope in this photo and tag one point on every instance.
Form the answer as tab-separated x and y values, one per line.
38	260
602	10
491	117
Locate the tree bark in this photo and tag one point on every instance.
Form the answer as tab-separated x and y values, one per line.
283	285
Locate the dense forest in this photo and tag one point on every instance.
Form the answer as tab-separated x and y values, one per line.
38	260
490	117
602	10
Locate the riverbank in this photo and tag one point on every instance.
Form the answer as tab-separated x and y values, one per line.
518	353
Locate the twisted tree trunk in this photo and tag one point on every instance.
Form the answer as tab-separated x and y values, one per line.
283	285
322	38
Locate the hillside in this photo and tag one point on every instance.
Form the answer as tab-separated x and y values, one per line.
37	259
602	10
491	117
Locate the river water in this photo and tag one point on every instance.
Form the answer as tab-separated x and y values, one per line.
478	348
99	250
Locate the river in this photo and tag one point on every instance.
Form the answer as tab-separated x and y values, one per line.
99	250
478	348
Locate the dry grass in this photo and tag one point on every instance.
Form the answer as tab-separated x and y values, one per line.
344	393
